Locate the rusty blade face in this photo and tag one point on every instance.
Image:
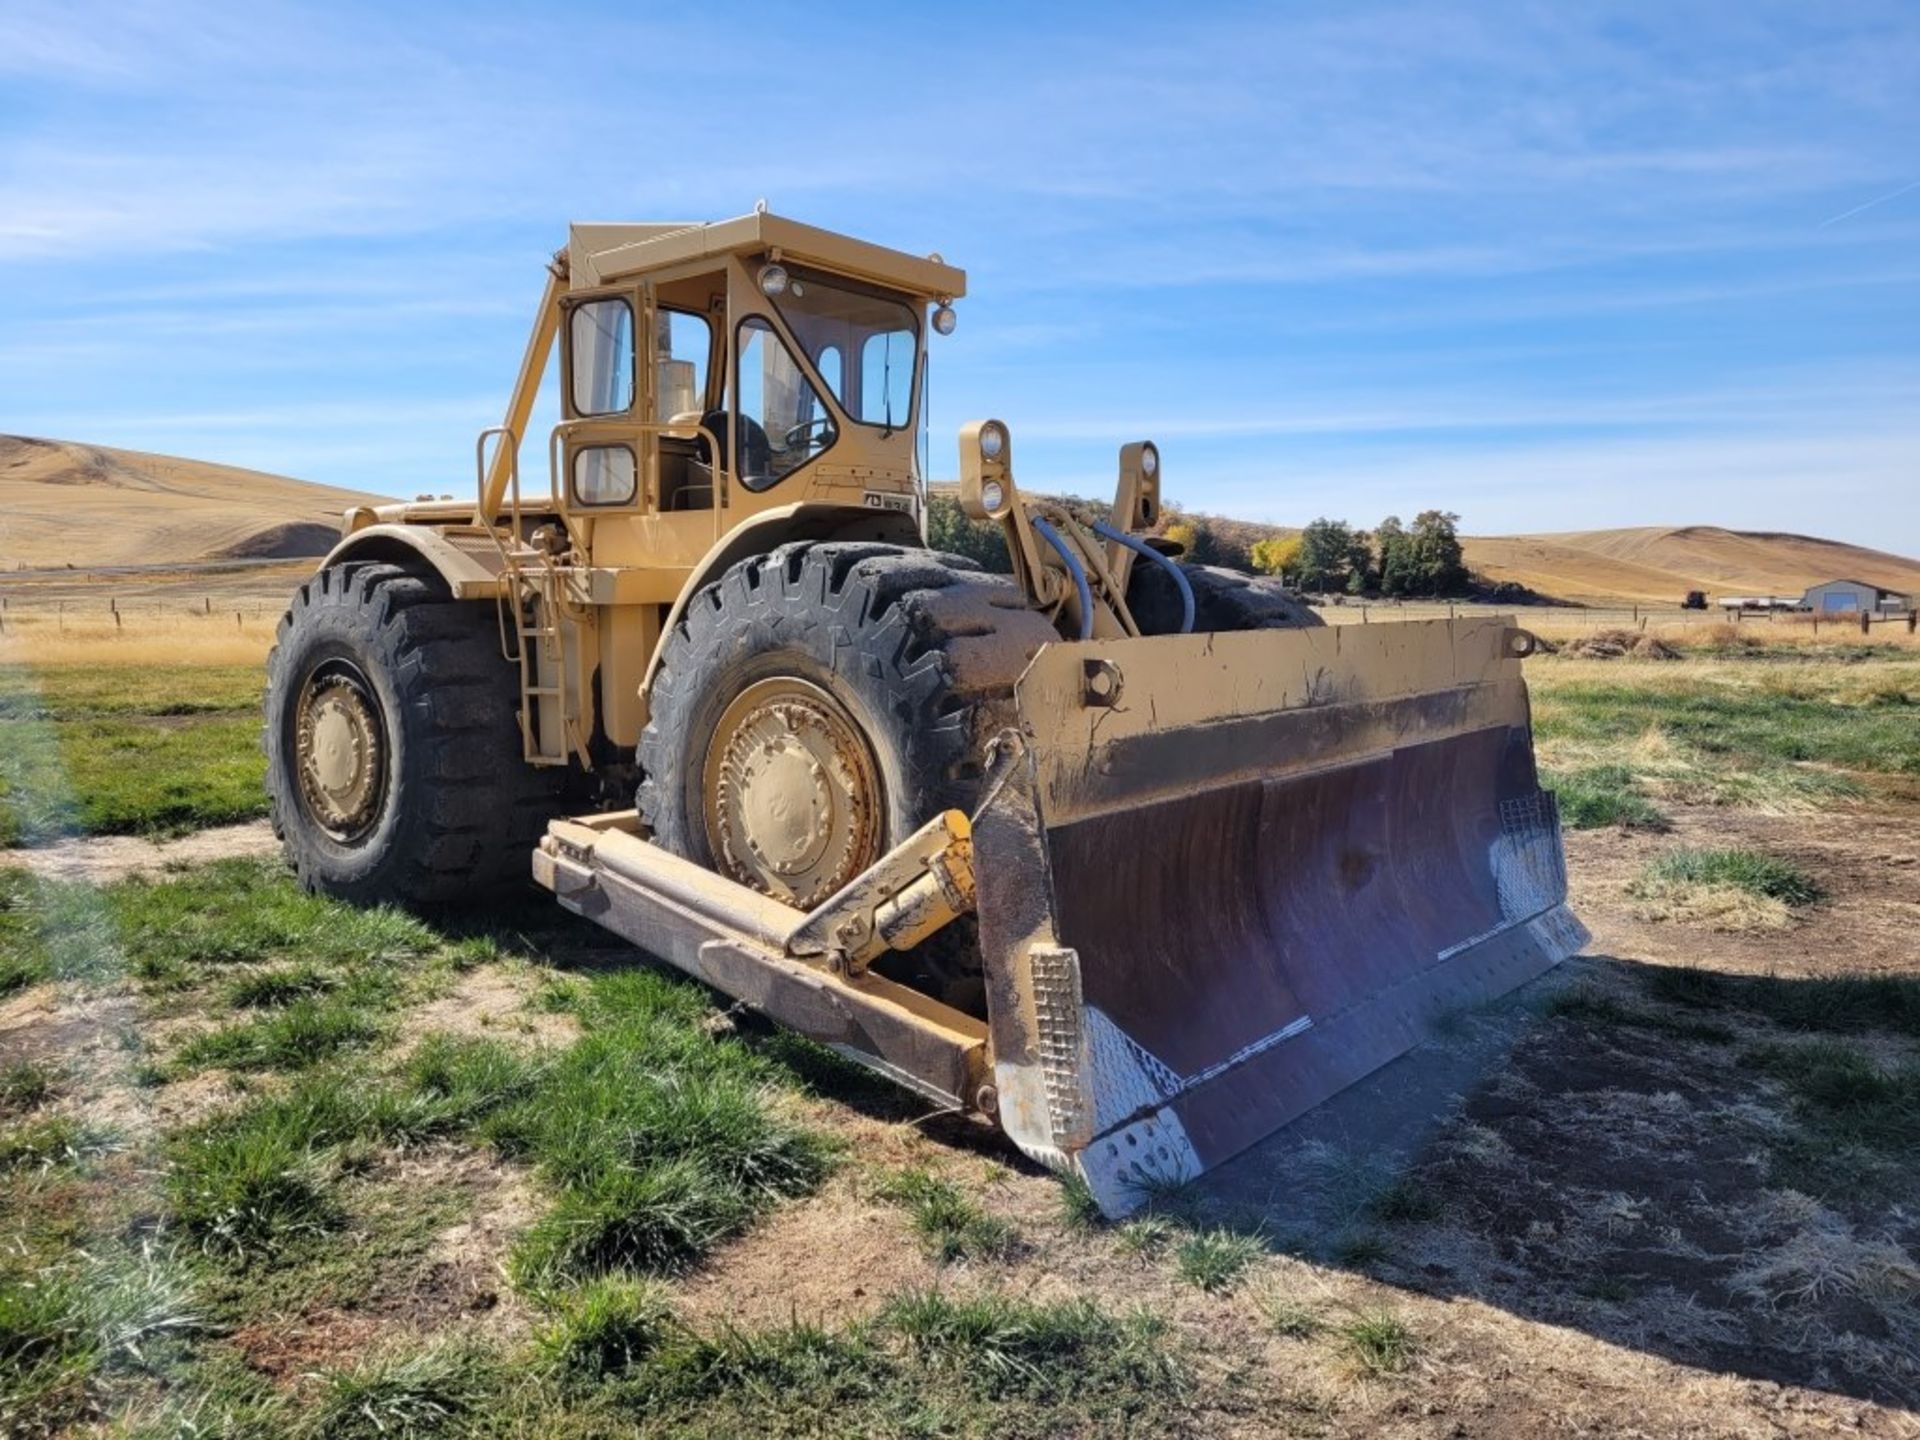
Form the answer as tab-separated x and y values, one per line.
1213	904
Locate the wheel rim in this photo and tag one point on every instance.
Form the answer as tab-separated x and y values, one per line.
340	750
792	793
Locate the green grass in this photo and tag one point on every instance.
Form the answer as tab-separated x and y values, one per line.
1063	1350
444	1389
1787	722
951	1225
26	1085
1292	1320
1361	1250
1379	1343
236	912
1752	871
1844	1096
602	1329
112	751
1839	1004
46	1141
1216	1260
305	1033
281	985
1147	1238
1078	1209
1590	1007
65	1323
1405	1202
660	1138
1601	795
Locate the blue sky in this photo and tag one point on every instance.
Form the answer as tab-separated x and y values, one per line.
1551	266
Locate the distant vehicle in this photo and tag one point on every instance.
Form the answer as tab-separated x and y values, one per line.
1696	600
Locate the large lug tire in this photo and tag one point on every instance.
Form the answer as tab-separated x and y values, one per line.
1222	600
819	703
393	744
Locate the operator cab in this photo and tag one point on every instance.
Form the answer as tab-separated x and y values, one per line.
758	365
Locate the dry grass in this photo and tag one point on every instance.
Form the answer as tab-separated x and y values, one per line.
41	639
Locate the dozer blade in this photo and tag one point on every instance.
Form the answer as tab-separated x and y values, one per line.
1231	874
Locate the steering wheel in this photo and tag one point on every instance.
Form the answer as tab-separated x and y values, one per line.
802	434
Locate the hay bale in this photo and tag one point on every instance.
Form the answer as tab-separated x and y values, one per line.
1604	644
1652	647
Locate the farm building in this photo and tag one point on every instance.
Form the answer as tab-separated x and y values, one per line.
1853	596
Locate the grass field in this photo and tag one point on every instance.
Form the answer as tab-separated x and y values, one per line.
127	749
272	1166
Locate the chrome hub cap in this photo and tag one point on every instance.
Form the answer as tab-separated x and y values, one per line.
792	793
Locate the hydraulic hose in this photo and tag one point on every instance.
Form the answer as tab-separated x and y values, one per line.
1165	562
1075	569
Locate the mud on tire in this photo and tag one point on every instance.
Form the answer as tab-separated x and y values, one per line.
458	810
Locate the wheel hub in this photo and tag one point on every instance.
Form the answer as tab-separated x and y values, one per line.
792	793
339	752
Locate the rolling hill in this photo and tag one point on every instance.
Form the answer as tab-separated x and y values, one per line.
85	506
1658	564
66	504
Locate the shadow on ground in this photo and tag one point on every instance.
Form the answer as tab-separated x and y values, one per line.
1585	1155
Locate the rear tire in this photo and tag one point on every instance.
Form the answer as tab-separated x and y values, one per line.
1222	600
393	744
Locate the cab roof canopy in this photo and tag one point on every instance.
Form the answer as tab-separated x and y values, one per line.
604	254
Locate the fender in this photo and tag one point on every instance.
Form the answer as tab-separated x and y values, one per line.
471	571
808	520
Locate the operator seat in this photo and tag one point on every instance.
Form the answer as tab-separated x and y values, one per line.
755	468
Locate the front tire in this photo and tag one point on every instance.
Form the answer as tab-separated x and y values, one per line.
819	703
393	745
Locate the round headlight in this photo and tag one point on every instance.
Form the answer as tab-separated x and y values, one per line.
992	496
773	280
1149	461
944	319
993	441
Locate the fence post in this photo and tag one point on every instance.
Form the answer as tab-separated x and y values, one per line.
207	603
1866	619
1816	622
1913	621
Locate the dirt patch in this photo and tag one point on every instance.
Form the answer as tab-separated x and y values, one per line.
102	859
491	1002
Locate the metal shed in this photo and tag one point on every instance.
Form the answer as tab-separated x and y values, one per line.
1851	597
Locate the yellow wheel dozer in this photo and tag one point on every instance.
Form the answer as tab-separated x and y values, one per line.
1137	858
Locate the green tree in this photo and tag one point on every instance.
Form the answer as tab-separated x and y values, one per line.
1360	572
1396	557
951	528
1439	566
1326	554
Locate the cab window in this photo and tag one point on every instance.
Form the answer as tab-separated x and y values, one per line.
600	349
780	420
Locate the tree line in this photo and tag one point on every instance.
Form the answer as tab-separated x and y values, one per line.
1328	556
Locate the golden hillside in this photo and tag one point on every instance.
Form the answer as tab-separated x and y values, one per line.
1659	564
66	504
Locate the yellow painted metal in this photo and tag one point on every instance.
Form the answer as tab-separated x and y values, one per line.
526	388
920	886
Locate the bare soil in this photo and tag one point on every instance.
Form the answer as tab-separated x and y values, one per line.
102	859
